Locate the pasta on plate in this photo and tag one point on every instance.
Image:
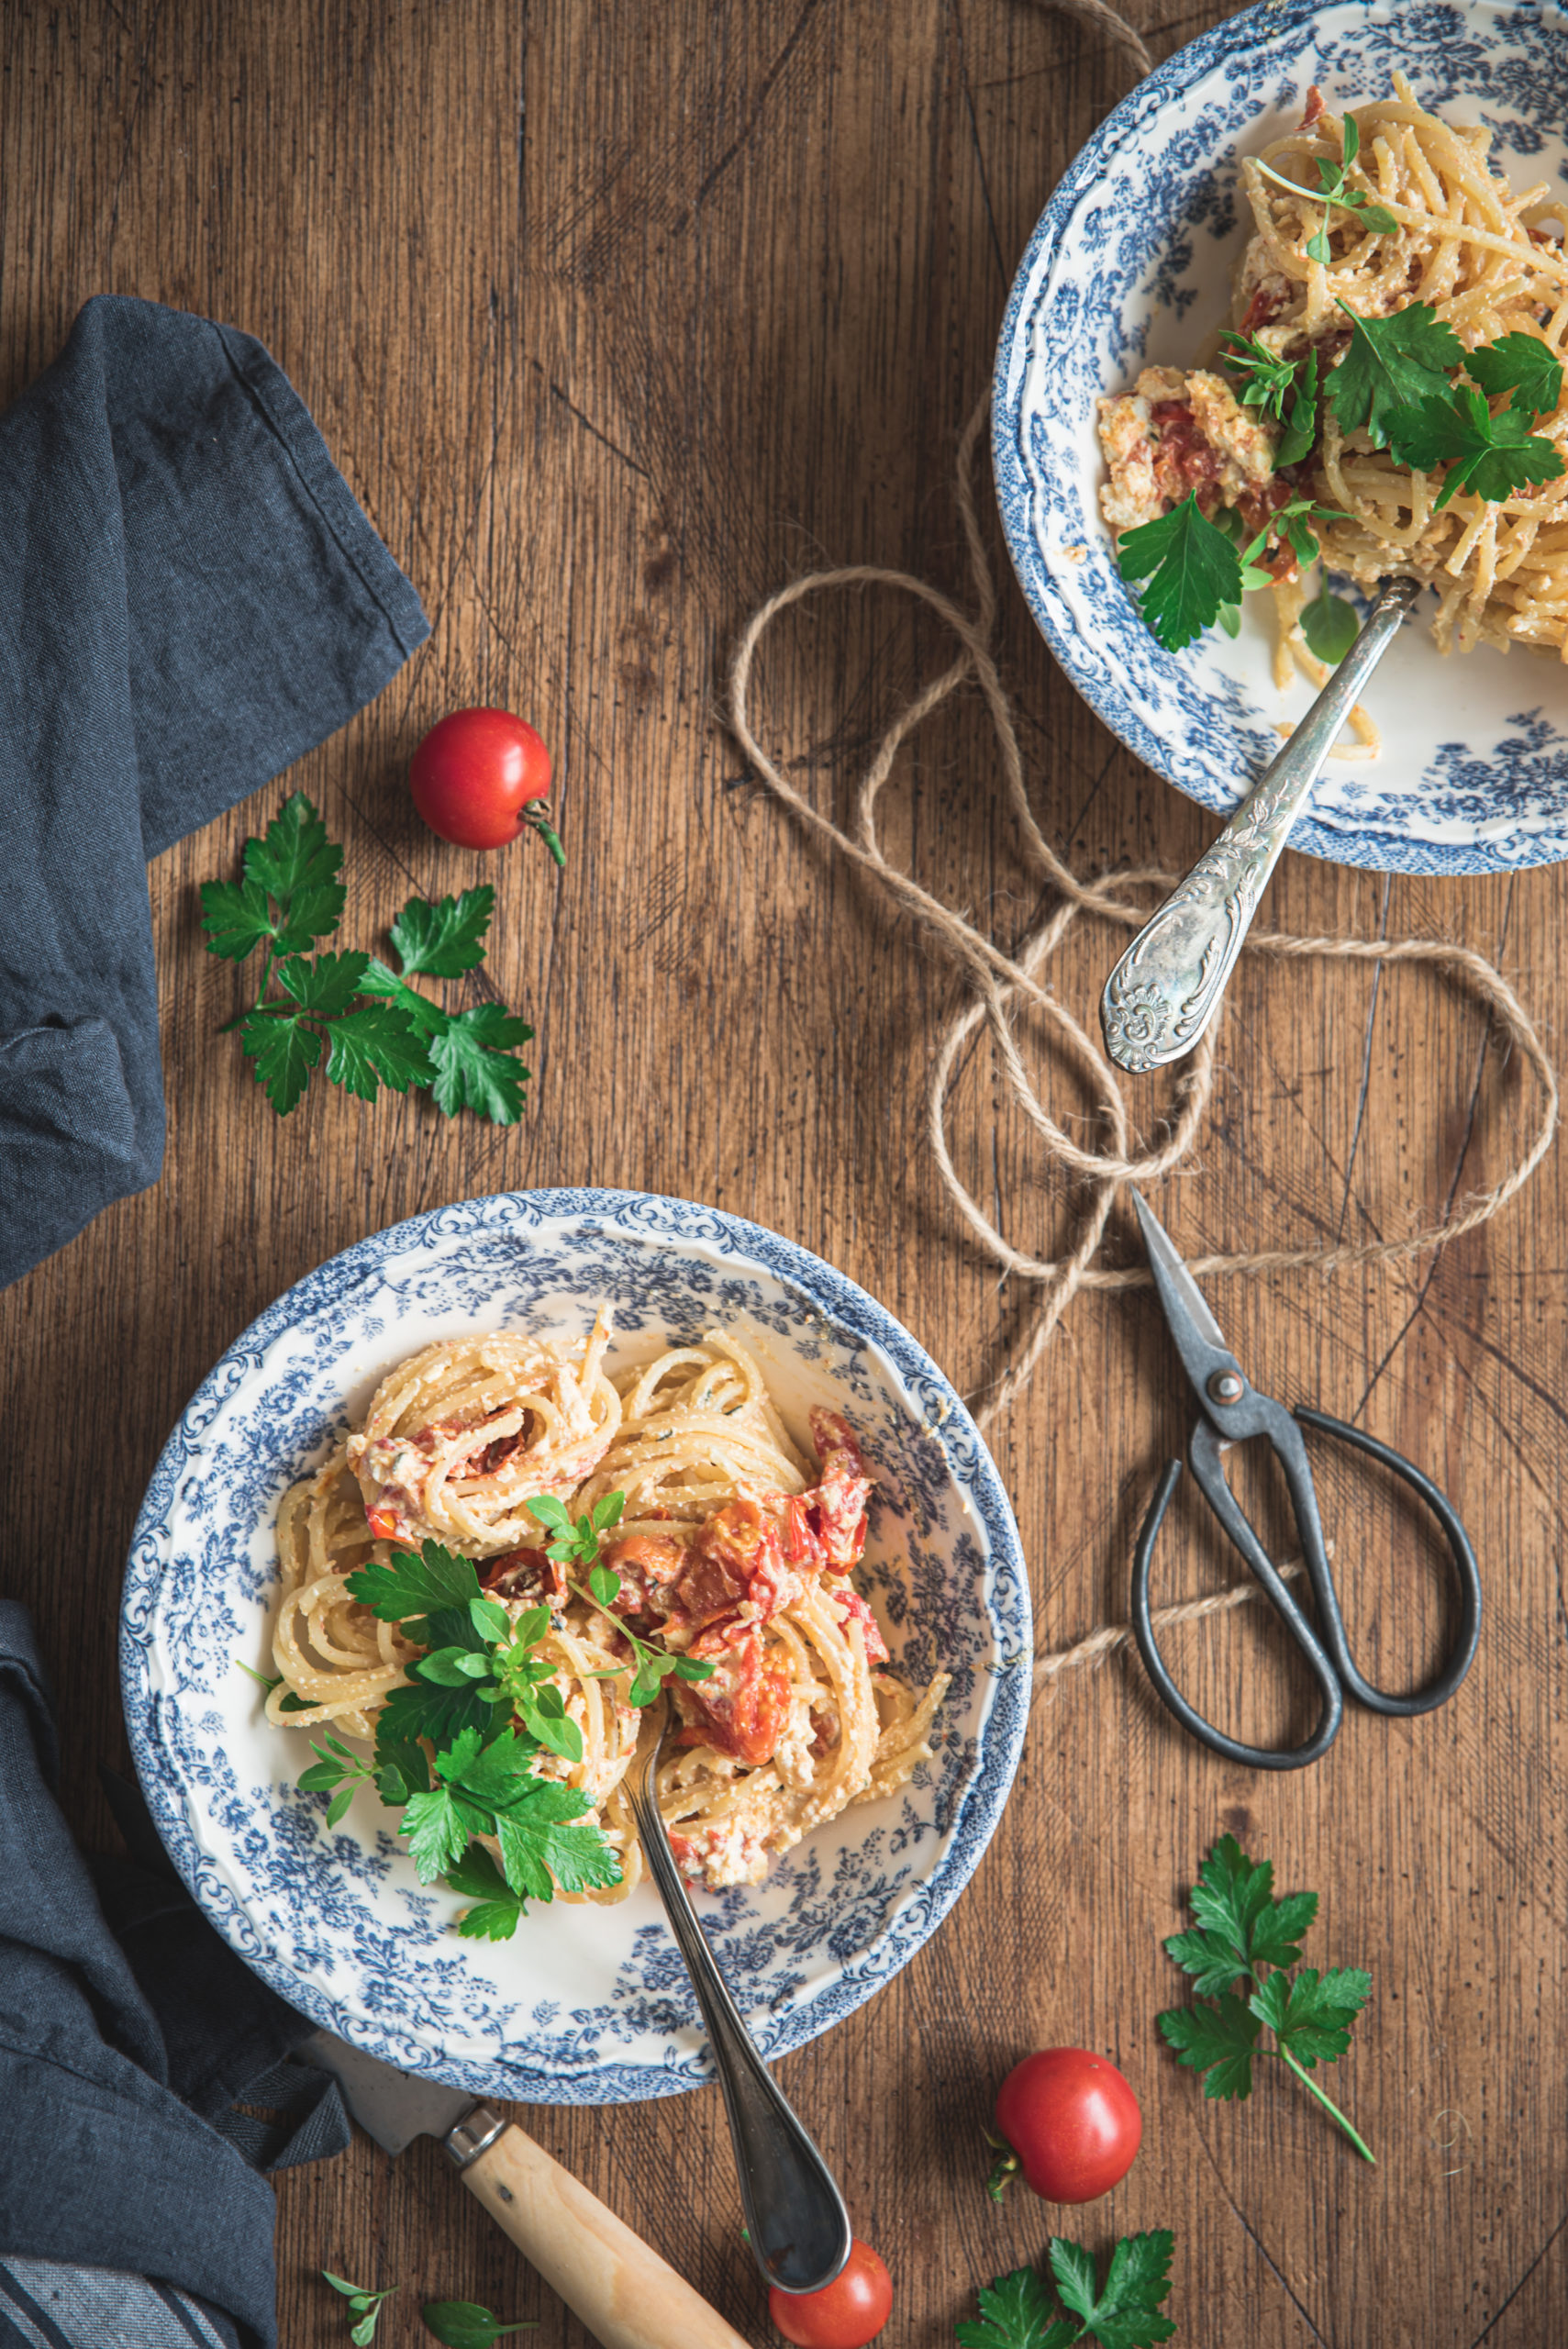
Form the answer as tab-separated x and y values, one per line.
732	1549
1428	220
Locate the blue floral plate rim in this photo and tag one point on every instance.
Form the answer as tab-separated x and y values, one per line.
1511	829
584	2073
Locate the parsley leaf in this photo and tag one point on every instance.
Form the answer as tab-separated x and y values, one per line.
1311	2014
289	897
475	1069
496	1908
1122	2313
1217	2040
545	1831
236	918
1491	455
1015	2313
284	1051
1194	568
465	1697
422	1709
1390	362
294	866
375	1041
1295	441
415	1585
1266	379
468	1049
1522	364
325	984
439	1827
1244	1937
464	2324
447	938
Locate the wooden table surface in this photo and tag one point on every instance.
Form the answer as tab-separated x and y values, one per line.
617	314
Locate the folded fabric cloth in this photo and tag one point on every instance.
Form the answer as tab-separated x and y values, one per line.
190	599
131	2214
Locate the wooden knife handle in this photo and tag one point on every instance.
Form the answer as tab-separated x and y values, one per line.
624	2292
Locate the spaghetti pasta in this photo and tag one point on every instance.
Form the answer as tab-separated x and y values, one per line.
1455	237
732	1548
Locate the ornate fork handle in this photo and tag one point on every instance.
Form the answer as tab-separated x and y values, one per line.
1165	990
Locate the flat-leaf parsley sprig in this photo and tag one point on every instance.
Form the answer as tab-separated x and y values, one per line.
579	1545
1268	382
1335	194
1245	1937
1122	2313
364	2306
374	1028
1196	574
456	1748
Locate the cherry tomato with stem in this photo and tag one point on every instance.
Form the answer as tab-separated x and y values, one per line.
1070	2122
479	776
846	2313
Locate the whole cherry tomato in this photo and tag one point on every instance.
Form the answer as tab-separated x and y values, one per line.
479	776
1071	2122
844	2314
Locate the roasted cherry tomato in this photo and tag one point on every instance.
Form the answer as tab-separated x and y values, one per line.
846	2313
1070	2122
479	776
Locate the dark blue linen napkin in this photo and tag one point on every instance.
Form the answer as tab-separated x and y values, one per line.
130	2211
190	599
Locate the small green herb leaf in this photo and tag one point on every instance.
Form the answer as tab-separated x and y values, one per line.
463	2324
284	1051
1194	570
236	918
409	1586
1123	2314
1311	2014
1330	626
1295	441
1015	2313
1216	2039
447	938
475	1067
1391	363
374	1041
1490	455
1520	363
497	1907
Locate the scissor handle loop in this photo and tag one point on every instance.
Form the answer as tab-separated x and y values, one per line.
1252	1757
1335	1670
1439	1689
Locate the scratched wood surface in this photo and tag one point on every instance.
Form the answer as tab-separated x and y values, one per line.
617	314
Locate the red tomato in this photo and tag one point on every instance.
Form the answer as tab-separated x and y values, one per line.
474	776
846	2313
1071	2122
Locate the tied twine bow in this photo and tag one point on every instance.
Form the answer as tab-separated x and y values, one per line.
997	979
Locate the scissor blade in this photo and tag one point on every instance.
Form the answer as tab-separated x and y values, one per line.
1181	1297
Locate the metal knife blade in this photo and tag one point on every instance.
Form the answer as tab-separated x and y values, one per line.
389	2105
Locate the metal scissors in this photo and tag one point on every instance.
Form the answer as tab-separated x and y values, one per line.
1231	1410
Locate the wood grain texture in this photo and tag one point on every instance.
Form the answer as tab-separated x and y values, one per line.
616	313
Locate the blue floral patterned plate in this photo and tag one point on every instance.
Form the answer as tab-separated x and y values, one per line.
1131	267
585	2005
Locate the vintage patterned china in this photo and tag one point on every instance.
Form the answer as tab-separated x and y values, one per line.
585	2005
1131	266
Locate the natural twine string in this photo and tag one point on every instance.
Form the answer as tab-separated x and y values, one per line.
997	979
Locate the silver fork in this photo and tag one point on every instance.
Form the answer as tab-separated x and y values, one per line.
1166	988
796	2218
